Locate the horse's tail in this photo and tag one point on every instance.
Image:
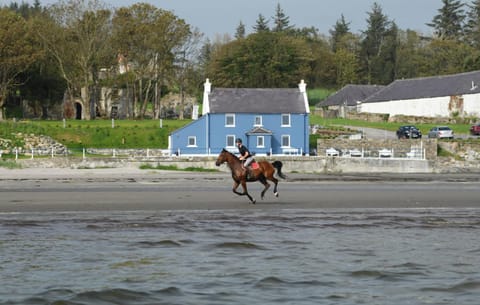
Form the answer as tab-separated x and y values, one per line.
278	165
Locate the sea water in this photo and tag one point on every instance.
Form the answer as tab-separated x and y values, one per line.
349	256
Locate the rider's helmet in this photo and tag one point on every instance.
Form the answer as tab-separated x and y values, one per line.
238	140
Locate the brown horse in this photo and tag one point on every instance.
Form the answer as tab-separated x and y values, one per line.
264	172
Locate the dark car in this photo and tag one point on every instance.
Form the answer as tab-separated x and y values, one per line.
408	132
475	129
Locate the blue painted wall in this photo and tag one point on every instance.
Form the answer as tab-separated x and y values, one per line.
213	141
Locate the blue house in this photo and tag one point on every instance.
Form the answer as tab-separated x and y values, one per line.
269	121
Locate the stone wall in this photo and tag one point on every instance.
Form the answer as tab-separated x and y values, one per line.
468	151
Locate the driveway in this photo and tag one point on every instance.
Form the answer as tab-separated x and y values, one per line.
373	133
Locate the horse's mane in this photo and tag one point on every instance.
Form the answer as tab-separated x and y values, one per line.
232	154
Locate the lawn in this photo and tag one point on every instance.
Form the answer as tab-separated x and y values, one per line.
99	133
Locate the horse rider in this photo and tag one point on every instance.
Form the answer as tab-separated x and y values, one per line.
245	154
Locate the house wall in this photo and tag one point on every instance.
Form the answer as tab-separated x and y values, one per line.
244	122
214	141
429	107
471	104
179	138
464	105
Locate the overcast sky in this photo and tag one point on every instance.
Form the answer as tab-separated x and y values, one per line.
223	16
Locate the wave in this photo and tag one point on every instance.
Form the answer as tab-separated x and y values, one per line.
465	286
116	296
239	246
160	243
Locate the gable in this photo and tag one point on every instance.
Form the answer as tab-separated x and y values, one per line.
429	87
247	100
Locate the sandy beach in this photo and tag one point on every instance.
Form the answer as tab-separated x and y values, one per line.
64	189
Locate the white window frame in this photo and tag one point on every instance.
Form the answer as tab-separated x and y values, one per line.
194	138
258	121
230	138
286	115
232	117
285	136
260	141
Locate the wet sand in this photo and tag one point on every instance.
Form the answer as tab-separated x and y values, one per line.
63	189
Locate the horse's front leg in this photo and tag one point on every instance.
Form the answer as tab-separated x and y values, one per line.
245	192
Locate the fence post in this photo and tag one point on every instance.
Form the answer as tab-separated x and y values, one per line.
113	152
53	151
32	153
84	153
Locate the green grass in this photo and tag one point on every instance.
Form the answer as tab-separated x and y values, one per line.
9	164
317	95
77	134
424	128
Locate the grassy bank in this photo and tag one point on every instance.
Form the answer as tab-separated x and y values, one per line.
98	133
76	134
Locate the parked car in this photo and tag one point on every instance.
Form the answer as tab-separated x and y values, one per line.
475	129
408	132
441	132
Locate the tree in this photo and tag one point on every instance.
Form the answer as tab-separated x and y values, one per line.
17	52
187	72
472	25
262	60
377	53
261	24
346	60
76	35
340	29
240	32
281	21
410	62
444	57
448	24
150	39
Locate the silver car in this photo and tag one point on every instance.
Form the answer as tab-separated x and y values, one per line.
441	132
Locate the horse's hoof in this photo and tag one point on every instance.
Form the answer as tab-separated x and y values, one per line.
276	194
254	201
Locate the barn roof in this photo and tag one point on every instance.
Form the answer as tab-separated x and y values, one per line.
427	87
350	95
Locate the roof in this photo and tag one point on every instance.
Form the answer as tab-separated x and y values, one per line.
259	131
350	95
256	100
427	87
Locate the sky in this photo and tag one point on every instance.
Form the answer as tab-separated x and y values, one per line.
214	17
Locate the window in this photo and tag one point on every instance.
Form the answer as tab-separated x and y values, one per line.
230	141
285	120
285	140
230	120
192	141
260	141
258	120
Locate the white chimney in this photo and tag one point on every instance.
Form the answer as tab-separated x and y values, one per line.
206	103
303	89
302	86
